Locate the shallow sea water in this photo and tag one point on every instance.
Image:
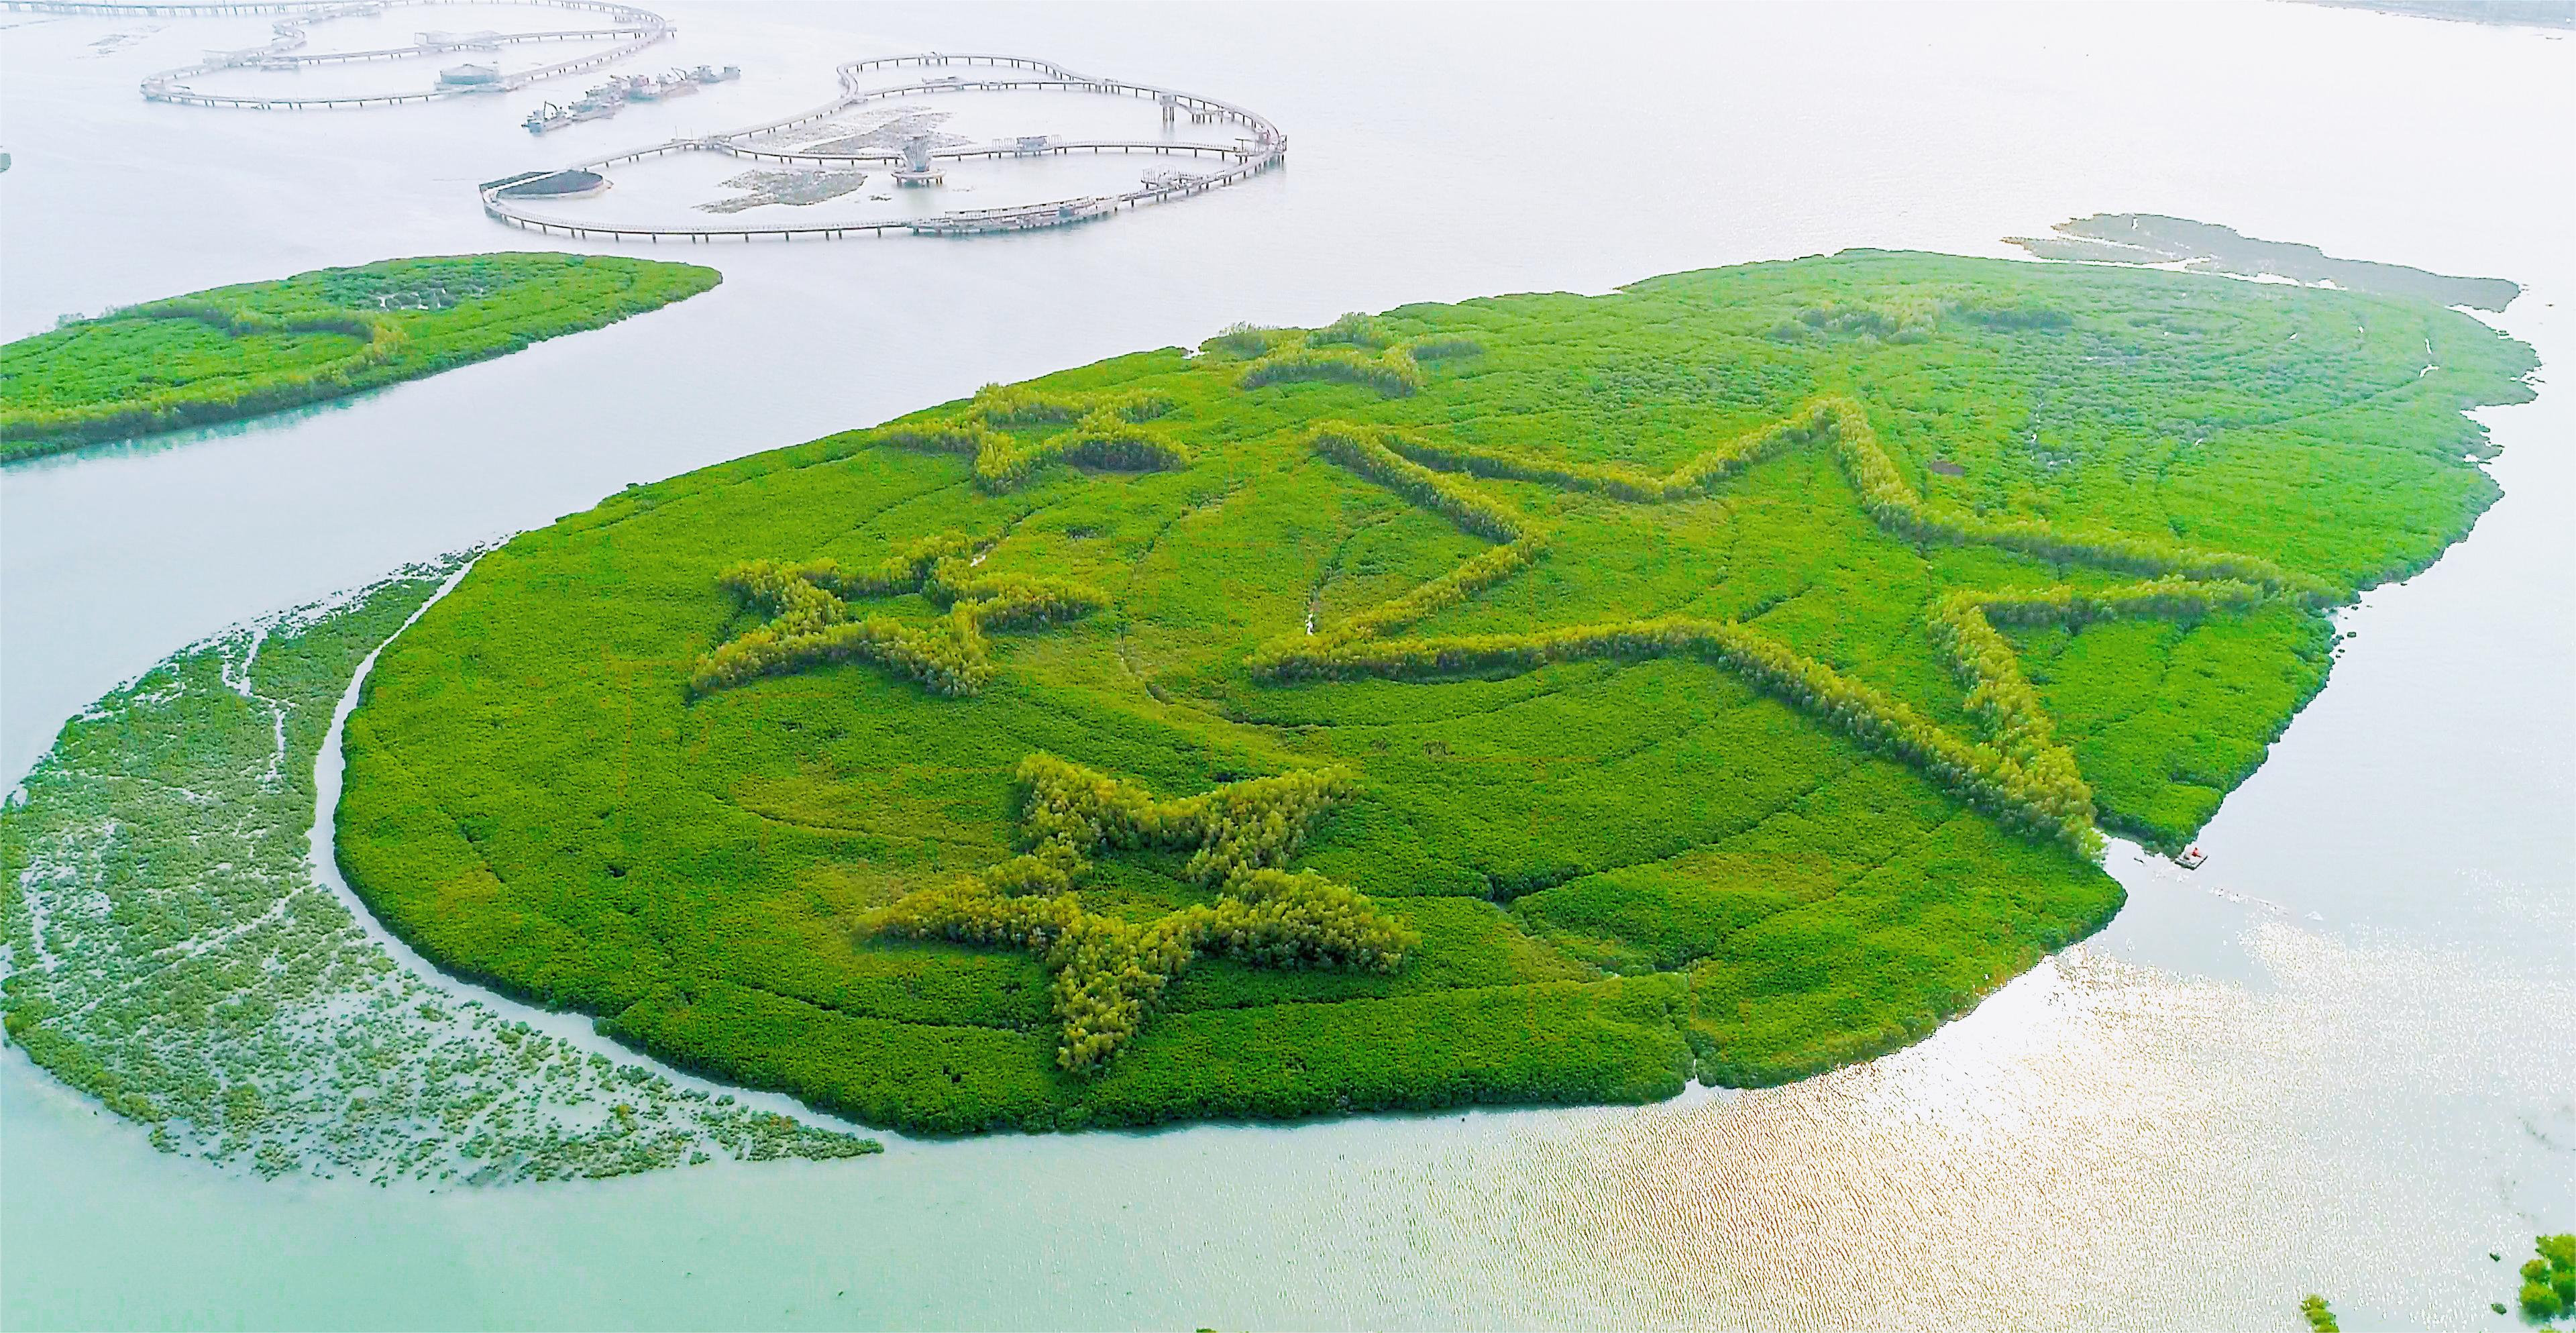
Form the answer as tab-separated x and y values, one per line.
2328	1061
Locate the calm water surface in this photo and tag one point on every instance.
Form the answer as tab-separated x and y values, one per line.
2333	1060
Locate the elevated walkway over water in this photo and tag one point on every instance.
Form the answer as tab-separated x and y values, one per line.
1263	148
632	29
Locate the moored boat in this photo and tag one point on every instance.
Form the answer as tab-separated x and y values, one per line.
644	88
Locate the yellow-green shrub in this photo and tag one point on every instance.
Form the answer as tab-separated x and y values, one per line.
1108	973
810	624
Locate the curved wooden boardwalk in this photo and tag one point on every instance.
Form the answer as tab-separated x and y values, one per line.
637	27
1264	148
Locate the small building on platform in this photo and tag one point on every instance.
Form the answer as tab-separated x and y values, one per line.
918	169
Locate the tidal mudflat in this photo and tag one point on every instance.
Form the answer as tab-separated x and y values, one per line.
169	952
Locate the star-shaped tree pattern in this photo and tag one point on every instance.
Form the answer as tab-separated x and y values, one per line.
1109	972
808	617
2019	772
1106	431
810	620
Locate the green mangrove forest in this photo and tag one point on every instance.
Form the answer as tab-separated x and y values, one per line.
1544	698
166	949
259	347
2548	1281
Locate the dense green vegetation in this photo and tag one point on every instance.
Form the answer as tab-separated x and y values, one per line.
809	617
2549	1281
993	430
1109	973
165	948
2023	778
2319	1315
258	347
1619	697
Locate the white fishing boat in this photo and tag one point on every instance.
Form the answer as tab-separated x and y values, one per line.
677	83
